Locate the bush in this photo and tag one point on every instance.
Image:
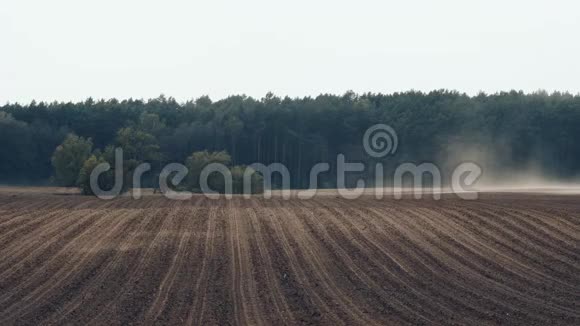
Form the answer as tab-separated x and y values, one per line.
68	159
256	180
198	161
106	179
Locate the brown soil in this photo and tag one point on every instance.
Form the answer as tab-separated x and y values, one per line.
503	259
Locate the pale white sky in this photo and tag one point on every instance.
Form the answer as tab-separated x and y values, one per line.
72	49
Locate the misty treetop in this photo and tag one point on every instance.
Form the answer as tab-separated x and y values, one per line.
508	130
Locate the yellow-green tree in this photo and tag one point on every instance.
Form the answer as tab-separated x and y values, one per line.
68	159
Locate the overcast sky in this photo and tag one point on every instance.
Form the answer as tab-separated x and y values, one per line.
72	49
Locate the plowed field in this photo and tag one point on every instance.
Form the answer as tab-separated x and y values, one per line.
503	259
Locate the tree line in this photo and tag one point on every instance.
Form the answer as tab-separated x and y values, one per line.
507	131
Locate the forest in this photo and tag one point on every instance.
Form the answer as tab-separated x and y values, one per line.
504	132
